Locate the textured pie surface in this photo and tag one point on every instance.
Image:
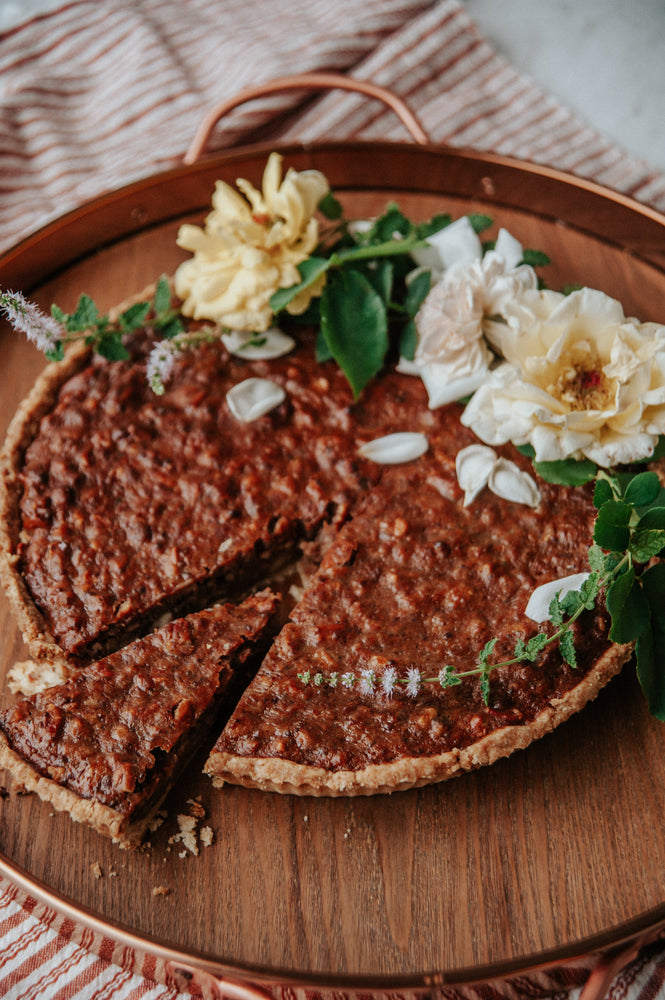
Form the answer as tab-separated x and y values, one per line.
114	732
416	580
119	504
124	502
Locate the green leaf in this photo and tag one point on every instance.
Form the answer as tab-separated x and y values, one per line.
602	493
448	677
355	326
646	544
408	340
628	608
112	348
571	603
527	450
162	299
57	354
643	489
434	225
310	270
567	472
170	327
134	317
654	517
330	207
59	315
323	352
380	276
650	666
417	290
536	258
479	221
85	315
486	652
611	530
597	559
556	611
567	648
392	221
653	585
534	647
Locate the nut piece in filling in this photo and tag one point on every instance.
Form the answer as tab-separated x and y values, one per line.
347	701
106	744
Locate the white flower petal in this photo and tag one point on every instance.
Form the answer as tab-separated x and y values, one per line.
406	367
454	244
509	482
442	389
393	449
258	346
509	248
253	398
474	465
537	608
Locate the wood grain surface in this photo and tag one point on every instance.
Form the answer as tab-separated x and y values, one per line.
561	843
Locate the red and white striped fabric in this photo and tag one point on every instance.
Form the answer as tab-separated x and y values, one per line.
101	92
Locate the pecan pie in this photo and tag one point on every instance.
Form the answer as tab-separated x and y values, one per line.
120	505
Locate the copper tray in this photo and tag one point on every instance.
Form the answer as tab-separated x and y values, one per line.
538	862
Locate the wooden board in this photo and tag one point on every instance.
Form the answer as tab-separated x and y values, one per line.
536	858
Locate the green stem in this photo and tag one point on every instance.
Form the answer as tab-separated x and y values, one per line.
391	248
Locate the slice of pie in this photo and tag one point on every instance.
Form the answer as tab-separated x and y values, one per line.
347	701
106	745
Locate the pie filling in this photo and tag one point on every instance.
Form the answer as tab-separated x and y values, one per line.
117	731
124	504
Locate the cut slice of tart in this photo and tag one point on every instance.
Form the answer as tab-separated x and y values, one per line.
348	702
106	745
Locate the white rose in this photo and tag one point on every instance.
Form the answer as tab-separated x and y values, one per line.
579	380
459	315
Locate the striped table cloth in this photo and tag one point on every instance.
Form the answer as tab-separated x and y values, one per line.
98	93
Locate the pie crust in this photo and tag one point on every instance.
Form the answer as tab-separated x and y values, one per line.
301	479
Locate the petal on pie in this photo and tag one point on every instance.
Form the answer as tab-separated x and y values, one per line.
253	398
393	449
509	482
258	347
538	606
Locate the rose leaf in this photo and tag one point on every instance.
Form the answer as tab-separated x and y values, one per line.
355	326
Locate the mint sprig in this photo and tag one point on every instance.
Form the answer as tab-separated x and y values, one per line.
106	336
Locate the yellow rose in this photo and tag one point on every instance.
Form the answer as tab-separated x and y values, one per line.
250	247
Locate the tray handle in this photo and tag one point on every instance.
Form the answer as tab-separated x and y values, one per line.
305	81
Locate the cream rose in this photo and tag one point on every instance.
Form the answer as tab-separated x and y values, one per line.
459	317
250	247
579	380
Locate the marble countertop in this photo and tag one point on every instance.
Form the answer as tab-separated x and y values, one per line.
603	58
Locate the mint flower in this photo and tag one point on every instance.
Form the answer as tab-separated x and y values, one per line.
42	330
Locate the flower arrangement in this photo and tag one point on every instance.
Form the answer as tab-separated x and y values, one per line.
567	378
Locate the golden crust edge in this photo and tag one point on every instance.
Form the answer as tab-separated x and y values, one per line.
286	777
102	818
20	433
